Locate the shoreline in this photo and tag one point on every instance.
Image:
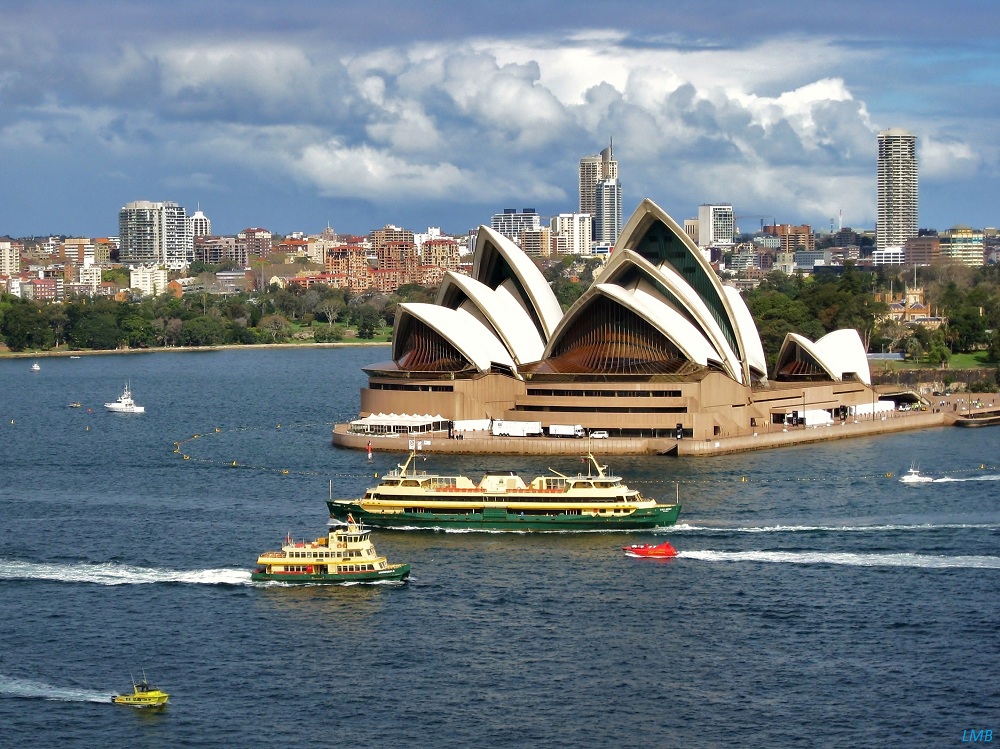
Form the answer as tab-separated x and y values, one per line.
6	354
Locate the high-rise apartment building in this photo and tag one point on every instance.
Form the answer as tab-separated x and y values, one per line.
510	223
572	233
201	225
154	233
607	212
897	188
716	225
594	169
10	258
256	241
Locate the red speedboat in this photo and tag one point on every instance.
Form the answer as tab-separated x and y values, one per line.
658	551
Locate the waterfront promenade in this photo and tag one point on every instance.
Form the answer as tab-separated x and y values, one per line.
946	411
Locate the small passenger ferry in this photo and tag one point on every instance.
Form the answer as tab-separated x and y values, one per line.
406	498
345	555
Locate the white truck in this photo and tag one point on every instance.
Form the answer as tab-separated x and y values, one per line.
505	428
566	430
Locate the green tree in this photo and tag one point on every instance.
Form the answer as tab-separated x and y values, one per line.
96	331
275	327
25	325
203	331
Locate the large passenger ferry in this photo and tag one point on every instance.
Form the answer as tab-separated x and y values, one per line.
345	555
406	498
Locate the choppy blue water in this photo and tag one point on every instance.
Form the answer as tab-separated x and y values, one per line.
817	603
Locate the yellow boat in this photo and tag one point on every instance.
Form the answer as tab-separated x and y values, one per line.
143	695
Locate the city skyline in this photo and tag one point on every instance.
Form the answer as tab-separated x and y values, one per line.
313	115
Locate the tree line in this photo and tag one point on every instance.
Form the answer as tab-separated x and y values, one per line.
321	314
969	298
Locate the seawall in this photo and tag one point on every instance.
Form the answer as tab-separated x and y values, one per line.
438	442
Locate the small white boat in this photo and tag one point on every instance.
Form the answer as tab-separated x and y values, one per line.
35	367
125	404
913	476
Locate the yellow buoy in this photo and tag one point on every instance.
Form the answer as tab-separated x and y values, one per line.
187	457
234	462
217	429
744	479
284	472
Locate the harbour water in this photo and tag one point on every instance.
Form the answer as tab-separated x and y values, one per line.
816	601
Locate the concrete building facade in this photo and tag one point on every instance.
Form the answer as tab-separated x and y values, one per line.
897	188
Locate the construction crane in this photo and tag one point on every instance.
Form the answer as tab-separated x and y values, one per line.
736	220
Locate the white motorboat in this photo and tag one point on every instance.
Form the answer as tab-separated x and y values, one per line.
35	367
913	476
125	404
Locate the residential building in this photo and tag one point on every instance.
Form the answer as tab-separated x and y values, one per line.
201	225
922	250
256	242
607	211
150	280
219	250
536	242
511	224
154	233
594	169
963	244
793	238
390	234
716	224
442	252
571	233
10	258
897	188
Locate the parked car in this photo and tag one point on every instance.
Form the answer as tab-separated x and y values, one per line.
599	434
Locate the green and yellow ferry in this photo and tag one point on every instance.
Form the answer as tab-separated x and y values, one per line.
406	498
345	555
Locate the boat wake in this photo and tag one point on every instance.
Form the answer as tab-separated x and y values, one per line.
848	559
111	573
37	690
684	527
949	479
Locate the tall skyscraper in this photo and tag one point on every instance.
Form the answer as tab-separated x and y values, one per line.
897	188
608	212
154	233
594	169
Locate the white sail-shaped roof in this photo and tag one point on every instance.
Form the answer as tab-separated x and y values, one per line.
470	337
839	353
690	303
673	248
667	320
845	354
502	310
530	284
753	349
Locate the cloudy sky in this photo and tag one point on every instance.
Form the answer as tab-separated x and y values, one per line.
298	115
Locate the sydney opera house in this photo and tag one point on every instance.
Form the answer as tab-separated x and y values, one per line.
657	348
